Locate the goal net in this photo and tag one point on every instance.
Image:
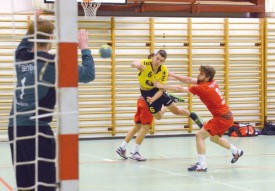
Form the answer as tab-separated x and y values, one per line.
43	127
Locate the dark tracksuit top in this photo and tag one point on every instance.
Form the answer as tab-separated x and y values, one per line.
25	96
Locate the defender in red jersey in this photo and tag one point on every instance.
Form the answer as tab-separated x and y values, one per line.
207	89
143	120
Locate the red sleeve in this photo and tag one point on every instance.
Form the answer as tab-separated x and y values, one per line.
194	89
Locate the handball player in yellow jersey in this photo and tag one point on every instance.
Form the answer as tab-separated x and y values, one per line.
150	71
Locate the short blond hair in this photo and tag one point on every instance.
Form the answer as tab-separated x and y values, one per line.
44	26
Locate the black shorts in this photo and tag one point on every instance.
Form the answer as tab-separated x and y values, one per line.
156	105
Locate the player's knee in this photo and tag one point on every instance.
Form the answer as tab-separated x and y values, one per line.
212	139
145	128
199	136
157	116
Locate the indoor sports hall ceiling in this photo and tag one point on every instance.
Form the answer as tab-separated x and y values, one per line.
192	8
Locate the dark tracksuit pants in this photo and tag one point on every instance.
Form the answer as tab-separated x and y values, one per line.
25	152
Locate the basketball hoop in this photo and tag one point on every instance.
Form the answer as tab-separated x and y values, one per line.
90	7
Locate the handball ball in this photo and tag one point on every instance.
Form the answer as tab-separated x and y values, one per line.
105	51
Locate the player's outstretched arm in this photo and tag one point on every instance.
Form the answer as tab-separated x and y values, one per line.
183	79
25	43
137	64
86	72
174	88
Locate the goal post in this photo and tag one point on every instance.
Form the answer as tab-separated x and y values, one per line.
66	23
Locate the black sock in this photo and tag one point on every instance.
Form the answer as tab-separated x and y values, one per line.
195	118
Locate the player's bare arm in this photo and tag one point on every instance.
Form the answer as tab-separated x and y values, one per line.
155	97
183	79
137	64
174	88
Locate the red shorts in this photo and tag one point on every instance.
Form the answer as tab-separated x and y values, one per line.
143	114
219	124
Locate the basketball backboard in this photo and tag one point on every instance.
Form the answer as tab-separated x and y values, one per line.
121	2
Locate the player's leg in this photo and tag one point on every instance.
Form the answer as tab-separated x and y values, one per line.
132	132
180	111
146	119
201	148
159	115
135	155
47	150
219	126
142	133
122	149
176	98
237	153
24	152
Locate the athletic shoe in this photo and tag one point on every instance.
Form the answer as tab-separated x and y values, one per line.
137	157
121	153
176	98
197	167
196	119
237	156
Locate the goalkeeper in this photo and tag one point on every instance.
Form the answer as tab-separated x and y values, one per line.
25	126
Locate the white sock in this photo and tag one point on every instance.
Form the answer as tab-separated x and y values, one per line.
201	160
233	149
135	148
124	145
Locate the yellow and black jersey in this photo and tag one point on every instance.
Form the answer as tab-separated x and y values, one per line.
147	77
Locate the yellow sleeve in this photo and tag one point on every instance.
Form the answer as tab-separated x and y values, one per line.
146	62
164	75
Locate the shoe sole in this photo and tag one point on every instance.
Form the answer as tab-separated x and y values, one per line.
121	155
241	154
140	160
202	170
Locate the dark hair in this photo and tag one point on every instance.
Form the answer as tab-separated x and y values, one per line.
209	71
43	26
150	56
162	53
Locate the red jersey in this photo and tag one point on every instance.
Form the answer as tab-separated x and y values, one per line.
210	94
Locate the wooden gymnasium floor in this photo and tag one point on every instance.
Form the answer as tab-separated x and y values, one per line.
101	169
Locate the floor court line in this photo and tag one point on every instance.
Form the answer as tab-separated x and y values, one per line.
6	184
203	179
179	174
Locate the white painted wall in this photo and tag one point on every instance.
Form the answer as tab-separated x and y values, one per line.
17	5
269	6
24	6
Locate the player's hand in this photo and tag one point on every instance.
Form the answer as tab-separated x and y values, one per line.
140	67
136	64
83	39
158	85
38	12
171	78
171	74
150	100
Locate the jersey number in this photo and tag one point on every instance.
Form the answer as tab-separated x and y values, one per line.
23	87
152	109
220	94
